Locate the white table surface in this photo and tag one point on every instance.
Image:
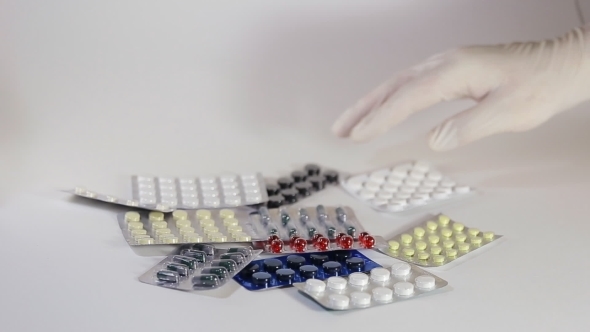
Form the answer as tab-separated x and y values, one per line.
95	91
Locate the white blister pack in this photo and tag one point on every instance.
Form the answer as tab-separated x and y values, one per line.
228	190
404	188
113	199
400	282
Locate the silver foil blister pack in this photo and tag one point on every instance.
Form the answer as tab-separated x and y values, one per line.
114	199
400	282
195	267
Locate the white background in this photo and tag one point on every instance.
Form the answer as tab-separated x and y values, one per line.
92	92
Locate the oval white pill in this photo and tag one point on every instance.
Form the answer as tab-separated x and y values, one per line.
417	175
366	194
395	181
358	279
407	189
360	299
403	288
337	283
434	176
379	176
314	286
372	186
429	184
401	269
411	182
338	301
399	173
382	294
425	190
388	187
385	194
425	282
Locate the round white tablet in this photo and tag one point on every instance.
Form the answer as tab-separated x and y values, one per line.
403	288
401	269
314	286
358	279
380	274
336	283
382	294
338	301
425	282
360	299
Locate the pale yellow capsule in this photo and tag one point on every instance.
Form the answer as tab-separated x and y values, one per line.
488	235
132	216
234	229
448	244
179	215
463	246
140	236
203	214
423	255
186	230
406	238
161	237
409	252
443	220
183	223
431	225
160	231
210	230
230	221
134	225
138	232
419	232
446	232
451	252
438	259
145	241
473	231
207	223
170	240
435	250
434	239
393	245
460	237
458	227
156	216
218	237
193	238
475	240
420	245
226	213
159	224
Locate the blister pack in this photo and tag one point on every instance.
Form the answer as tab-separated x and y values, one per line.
437	242
300	184
284	271
199	267
229	190
113	199
320	227
404	188
400	282
188	226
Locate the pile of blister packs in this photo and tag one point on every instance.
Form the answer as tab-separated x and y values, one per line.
258	233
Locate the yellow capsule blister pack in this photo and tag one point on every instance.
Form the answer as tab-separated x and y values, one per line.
437	242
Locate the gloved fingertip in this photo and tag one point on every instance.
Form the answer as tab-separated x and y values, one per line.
444	137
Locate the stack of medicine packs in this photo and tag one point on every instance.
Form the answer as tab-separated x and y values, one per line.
245	229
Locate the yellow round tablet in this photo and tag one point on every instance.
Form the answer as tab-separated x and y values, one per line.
419	232
409	252
145	241
393	245
207	223
433	239
451	252
210	230
435	250
406	238
448	244
488	235
159	224
161	237
423	255
443	220
446	232
156	216
193	238
134	225
170	240
431	225
460	237
132	216
186	230
203	214
234	229
420	245
183	223
475	240
458	227
179	215
161	231
138	232
140	236
242	237
230	221
463	246
438	258
217	237
473	231
226	213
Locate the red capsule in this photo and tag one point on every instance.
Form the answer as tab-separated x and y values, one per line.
315	237
276	246
292	240
346	242
322	244
339	236
299	245
362	235
368	242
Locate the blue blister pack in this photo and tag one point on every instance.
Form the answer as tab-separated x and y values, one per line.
280	272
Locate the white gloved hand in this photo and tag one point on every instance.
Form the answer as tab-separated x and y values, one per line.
516	86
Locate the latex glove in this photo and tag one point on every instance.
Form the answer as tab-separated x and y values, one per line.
516	86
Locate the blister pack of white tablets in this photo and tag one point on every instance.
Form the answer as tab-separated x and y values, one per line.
229	190
404	187
199	267
437	242
90	194
187	226
400	282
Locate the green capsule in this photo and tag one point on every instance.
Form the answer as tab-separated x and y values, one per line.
219	271
206	281
229	264
236	257
192	263
311	231
351	231
292	232
246	251
273	231
200	256
285	218
331	232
